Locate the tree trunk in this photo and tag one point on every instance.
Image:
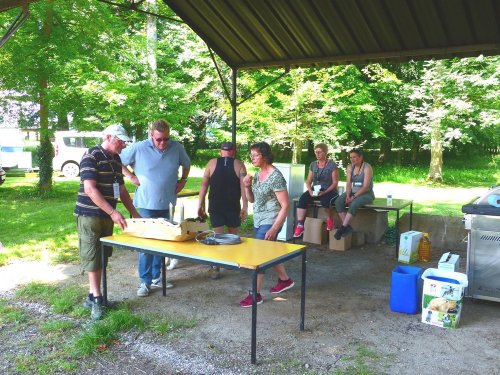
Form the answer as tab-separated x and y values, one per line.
415	147
436	165
385	151
62	121
46	154
297	151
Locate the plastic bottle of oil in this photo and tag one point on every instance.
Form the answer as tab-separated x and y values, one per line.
424	248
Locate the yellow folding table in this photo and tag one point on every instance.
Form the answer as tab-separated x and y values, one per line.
251	256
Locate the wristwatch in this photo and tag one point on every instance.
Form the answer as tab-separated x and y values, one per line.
183	179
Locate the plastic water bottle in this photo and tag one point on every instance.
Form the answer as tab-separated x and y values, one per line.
424	248
389	199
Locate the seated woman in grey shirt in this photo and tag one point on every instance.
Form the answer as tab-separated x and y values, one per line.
359	191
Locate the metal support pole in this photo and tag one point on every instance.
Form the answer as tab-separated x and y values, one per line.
253	356
411	215
104	280
303	291
164	276
233	103
397	233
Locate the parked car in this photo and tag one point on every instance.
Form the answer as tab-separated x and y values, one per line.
69	147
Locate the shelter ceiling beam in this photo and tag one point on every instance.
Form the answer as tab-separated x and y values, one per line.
367	58
16	24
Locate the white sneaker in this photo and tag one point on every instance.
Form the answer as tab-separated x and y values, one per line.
156	283
143	290
172	264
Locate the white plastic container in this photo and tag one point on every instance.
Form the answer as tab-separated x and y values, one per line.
442	296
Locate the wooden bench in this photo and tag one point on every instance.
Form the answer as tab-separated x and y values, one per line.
379	204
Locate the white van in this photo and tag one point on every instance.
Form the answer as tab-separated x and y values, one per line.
69	147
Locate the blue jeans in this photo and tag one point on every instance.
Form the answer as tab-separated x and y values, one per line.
150	265
260	232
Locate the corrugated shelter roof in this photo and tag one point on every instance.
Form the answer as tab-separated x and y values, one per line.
250	34
8	4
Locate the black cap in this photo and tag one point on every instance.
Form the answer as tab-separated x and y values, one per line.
227	146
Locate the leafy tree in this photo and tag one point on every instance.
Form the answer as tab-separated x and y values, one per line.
391	86
331	105
59	41
453	100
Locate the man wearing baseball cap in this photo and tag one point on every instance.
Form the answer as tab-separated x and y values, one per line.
101	185
224	176
117	131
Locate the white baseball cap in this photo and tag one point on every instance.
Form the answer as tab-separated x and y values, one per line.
117	131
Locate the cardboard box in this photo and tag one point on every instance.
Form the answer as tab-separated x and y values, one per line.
449	262
408	246
162	229
340	245
442	296
315	231
358	239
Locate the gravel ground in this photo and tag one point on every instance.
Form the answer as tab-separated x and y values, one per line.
348	324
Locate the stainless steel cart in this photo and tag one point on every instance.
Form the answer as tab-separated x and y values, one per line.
482	219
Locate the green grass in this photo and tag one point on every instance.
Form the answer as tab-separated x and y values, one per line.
57	326
363	362
100	335
452	176
169	325
61	345
10	314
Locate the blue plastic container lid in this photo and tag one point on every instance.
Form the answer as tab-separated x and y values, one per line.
443	279
408	270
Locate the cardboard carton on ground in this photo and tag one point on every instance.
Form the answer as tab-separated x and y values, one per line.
442	296
340	245
449	262
315	231
408	246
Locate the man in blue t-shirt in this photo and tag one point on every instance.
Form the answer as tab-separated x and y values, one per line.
101	184
155	162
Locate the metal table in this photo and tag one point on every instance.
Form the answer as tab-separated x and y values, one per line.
251	256
397	205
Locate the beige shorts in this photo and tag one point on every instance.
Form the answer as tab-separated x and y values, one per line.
90	230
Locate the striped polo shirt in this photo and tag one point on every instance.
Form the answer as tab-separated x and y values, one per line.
105	170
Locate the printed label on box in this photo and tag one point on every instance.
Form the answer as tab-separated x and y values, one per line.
408	246
442	297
